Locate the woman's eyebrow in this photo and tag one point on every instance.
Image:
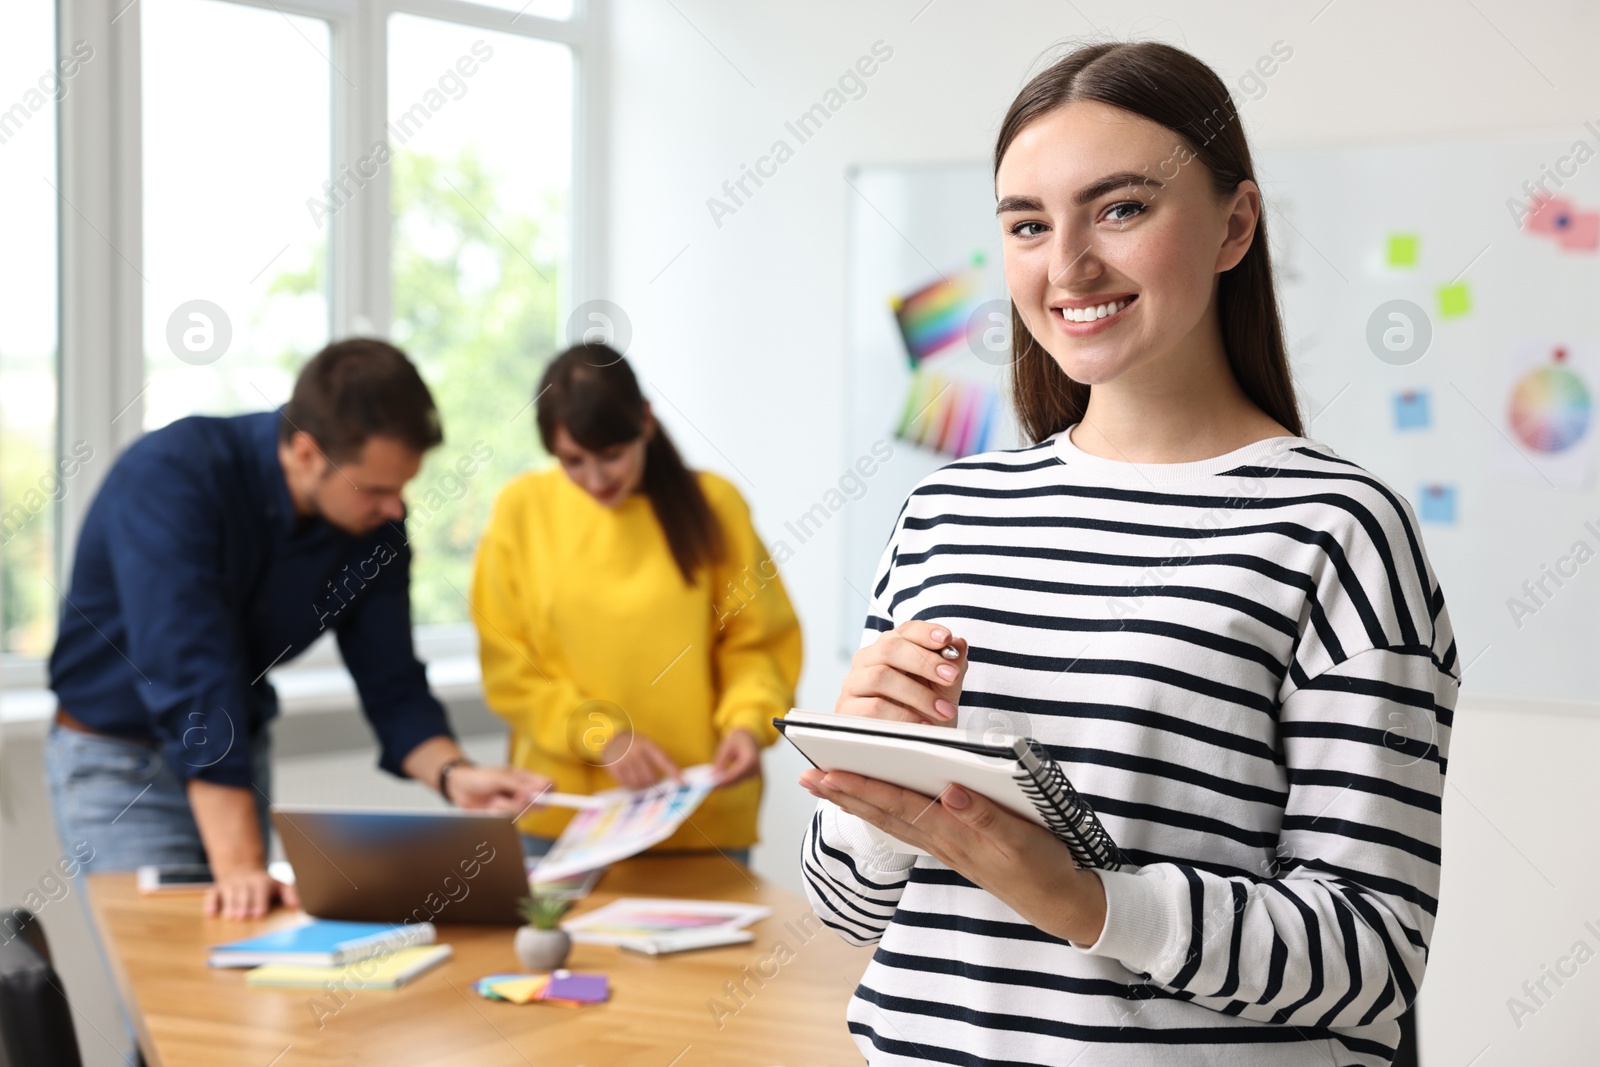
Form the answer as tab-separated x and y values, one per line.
1087	194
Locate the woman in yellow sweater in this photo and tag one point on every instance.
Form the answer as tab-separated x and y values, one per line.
630	623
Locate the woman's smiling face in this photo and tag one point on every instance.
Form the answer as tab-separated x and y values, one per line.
1099	206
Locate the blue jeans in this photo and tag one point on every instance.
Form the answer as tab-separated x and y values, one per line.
121	799
534	847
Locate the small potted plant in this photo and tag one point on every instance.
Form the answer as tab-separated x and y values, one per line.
542	945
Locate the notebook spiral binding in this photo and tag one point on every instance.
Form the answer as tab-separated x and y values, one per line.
1067	814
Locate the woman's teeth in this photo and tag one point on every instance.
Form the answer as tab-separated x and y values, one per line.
1100	311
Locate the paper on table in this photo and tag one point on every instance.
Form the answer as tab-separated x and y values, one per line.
623	823
633	917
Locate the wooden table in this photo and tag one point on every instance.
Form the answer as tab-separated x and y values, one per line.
673	1011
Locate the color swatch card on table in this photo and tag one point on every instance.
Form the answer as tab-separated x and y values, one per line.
636	917
624	823
562	987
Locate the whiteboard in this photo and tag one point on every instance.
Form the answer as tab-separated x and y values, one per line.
1526	509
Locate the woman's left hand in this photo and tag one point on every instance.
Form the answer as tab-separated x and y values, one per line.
1021	863
738	757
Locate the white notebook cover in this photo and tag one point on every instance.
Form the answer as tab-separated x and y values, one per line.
909	755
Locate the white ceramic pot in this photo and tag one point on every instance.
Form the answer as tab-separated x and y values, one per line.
541	950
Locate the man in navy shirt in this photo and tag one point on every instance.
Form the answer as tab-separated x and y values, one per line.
217	549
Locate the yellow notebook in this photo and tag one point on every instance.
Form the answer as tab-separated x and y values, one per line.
379	972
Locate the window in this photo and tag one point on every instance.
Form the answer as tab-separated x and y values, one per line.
247	244
480	127
31	481
236	105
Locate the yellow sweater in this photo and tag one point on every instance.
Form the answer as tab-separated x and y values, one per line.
582	611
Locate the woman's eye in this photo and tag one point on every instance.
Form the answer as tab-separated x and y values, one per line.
1137	206
1022	229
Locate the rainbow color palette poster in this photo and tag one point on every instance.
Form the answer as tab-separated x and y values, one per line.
950	415
935	316
1550	412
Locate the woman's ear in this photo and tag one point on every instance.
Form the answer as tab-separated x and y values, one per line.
1244	214
649	431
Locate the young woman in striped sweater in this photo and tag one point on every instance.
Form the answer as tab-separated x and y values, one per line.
1230	638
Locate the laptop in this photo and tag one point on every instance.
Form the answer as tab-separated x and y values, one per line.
404	866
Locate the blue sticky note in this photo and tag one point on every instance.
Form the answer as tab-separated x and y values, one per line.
1439	504
1411	409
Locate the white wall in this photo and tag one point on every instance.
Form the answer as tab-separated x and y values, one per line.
742	336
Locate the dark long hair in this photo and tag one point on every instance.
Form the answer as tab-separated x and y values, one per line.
592	392
1169	86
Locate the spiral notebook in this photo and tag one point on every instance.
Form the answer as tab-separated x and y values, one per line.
1015	772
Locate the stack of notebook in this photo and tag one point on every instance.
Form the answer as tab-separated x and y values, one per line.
350	954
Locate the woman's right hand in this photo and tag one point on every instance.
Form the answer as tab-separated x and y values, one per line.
903	677
636	762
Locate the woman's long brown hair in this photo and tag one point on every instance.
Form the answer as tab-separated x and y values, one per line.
1169	86
592	392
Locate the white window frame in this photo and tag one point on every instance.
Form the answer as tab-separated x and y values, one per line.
102	367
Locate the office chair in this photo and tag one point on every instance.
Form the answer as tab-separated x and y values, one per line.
35	1020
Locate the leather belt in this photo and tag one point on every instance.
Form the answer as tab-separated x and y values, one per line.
65	719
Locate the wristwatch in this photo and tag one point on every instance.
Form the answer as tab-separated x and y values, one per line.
444	775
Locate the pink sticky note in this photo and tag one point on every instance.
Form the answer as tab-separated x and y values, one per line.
1582	233
1549	214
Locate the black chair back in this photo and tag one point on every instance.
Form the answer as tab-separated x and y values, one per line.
35	1019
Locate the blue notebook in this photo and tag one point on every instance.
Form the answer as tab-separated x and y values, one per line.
322	943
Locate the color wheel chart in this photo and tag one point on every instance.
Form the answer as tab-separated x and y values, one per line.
1551	408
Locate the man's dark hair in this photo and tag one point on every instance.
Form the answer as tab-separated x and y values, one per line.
356	389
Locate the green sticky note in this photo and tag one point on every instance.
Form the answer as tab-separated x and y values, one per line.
1402	250
1454	300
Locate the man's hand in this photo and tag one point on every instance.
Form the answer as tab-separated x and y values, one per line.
501	790
247	893
738	757
231	833
636	762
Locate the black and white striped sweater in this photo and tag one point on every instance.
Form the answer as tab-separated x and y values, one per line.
1246	666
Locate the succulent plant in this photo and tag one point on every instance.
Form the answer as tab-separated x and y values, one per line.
543	911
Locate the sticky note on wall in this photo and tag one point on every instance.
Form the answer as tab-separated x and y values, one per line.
1402	250
1438	504
1455	300
1411	410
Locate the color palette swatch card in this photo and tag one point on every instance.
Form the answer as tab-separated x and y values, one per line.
636	917
563	987
624	823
